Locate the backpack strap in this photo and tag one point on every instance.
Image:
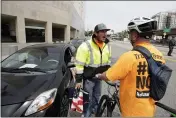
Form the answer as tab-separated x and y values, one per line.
145	52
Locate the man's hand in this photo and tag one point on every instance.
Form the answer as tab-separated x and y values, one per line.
78	85
98	75
102	76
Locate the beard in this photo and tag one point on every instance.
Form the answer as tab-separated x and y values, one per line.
132	42
101	39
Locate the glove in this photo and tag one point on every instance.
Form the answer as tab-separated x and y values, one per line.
79	78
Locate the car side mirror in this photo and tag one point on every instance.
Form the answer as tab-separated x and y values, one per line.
70	65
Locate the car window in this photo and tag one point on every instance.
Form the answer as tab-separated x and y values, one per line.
45	58
68	56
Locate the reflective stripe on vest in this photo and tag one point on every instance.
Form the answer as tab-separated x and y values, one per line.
91	64
109	51
91	53
79	71
80	63
97	65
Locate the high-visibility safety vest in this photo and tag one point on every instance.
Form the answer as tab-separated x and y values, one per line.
91	59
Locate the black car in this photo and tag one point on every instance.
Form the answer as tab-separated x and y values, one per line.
77	42
35	81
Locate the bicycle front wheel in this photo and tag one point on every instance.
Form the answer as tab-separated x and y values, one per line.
104	108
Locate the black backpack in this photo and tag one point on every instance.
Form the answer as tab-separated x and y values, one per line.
159	74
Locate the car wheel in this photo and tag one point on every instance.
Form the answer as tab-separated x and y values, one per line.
64	106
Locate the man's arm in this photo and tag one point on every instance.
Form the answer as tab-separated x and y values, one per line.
81	57
118	70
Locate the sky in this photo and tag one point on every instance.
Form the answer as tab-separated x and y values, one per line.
117	14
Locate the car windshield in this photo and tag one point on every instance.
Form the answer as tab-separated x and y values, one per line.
45	58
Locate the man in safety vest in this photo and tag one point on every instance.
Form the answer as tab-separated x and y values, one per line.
93	57
132	71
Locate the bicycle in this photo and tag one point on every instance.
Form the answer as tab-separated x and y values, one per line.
110	101
113	100
167	108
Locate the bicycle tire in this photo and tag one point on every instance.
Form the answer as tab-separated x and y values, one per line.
101	107
118	104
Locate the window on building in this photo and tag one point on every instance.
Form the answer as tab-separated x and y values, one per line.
35	30
8	28
35	35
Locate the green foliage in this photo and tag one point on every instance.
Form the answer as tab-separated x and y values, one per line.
89	33
123	34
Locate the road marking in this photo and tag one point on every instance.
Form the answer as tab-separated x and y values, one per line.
170	59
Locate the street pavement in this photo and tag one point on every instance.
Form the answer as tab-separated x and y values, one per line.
118	48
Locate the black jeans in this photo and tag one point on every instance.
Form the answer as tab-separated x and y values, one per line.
170	50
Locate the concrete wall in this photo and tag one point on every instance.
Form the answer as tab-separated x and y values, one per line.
58	12
77	25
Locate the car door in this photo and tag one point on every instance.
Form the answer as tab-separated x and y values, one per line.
67	75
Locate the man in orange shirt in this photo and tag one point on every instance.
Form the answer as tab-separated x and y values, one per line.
132	71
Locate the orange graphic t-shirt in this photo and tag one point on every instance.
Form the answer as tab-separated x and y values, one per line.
132	71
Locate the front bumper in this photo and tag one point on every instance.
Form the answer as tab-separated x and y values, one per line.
18	110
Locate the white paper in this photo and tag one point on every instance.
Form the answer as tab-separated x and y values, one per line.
29	66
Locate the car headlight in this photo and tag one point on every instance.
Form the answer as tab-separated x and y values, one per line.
43	101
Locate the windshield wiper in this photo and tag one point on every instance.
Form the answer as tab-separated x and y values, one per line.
34	69
14	70
22	70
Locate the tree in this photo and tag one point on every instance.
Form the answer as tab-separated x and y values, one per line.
123	34
86	33
112	31
91	33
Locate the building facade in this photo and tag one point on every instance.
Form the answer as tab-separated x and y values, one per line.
42	21
166	20
173	20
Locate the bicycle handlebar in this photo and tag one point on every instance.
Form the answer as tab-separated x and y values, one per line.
165	107
108	82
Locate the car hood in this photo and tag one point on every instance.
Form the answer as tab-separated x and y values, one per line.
16	88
